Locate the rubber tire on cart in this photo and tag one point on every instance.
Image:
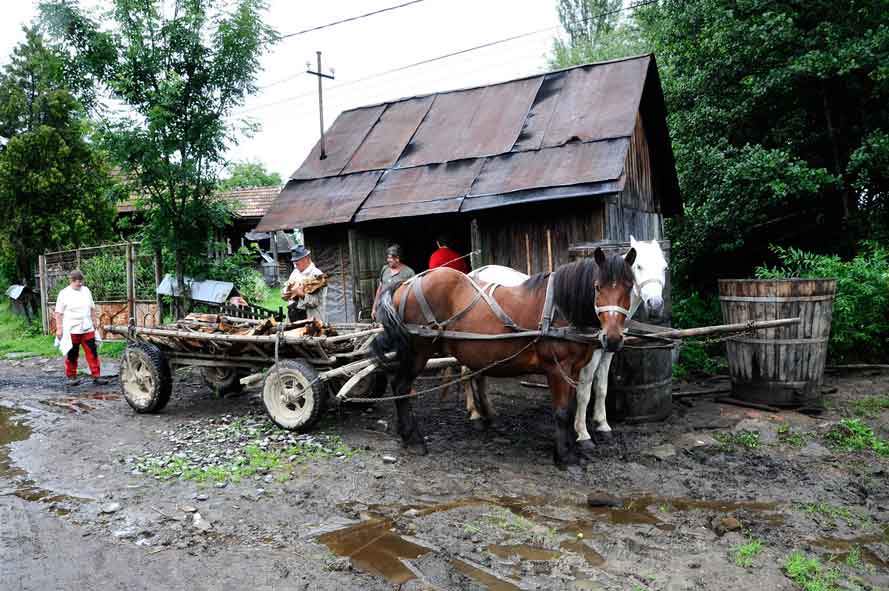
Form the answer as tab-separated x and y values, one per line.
301	403
145	379
223	380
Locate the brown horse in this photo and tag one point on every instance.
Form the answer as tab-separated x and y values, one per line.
585	296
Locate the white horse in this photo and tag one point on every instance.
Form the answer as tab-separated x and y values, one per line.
649	274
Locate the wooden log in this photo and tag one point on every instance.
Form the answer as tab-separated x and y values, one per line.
353	335
746	404
200	336
722	329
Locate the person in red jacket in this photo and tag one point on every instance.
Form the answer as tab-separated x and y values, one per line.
447	257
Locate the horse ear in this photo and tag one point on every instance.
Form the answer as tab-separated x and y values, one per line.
630	257
599	256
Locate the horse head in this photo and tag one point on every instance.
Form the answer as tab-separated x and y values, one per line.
650	275
613	288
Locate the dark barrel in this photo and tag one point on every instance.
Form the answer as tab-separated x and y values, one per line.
781	366
640	381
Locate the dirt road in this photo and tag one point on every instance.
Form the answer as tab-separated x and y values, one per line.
210	495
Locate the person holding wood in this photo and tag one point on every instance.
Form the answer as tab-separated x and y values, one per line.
446	256
75	316
393	271
306	288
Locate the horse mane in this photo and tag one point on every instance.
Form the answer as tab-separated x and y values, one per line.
535	282
574	287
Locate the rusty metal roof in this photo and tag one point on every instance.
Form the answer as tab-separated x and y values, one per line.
554	135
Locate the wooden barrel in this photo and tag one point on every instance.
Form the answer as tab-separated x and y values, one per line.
779	366
640	385
640	382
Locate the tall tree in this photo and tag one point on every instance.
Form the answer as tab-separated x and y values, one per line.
243	175
55	190
779	115
595	30
181	67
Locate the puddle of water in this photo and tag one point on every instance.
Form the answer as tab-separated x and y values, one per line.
592	557
12	430
373	548
523	551
485	578
841	547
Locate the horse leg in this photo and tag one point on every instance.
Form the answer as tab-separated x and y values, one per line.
408	428
585	444
482	409
603	430
564	454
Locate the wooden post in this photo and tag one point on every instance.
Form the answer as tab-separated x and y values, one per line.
527	254
352	237
339	249
77	258
131	288
274	245
158	277
475	238
44	293
549	250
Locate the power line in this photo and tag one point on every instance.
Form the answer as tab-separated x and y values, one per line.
350	19
447	55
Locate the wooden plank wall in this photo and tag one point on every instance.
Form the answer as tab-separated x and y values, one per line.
330	253
522	237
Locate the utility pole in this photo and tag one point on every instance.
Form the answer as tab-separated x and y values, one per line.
320	75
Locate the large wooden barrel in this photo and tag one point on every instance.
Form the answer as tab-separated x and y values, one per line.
640	384
779	366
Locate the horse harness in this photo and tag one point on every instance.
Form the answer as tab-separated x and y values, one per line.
435	329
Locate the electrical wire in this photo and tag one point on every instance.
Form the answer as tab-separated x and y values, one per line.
350	19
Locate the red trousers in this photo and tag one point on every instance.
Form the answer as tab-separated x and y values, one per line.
88	340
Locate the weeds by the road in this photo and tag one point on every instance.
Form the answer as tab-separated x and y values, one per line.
851	435
809	573
833	512
746	439
870	406
792	438
236	450
745	553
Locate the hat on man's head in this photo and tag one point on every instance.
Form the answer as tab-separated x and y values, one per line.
394	250
299	252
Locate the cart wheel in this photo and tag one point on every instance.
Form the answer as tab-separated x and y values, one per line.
292	396
223	380
145	379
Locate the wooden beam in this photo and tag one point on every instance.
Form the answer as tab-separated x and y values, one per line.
44	293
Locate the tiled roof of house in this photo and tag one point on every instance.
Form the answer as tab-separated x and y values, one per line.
245	203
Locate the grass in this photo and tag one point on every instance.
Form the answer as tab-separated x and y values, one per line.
809	573
253	460
834	512
745	553
869	407
17	336
746	439
273	300
792	438
851	435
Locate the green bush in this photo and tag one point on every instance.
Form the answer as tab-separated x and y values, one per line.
860	327
240	269
106	276
691	311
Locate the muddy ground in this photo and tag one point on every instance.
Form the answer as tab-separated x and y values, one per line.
208	495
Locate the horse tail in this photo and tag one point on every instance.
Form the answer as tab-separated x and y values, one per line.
394	338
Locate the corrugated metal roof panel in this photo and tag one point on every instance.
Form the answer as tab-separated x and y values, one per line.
340	143
435	188
472	123
542	194
571	164
332	200
597	102
209	291
541	112
385	142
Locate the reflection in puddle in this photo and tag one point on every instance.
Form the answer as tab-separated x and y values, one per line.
490	581
592	557
840	548
373	548
11	431
523	551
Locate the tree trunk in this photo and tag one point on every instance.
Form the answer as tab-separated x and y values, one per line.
179	302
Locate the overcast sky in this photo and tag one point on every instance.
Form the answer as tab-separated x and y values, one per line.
287	107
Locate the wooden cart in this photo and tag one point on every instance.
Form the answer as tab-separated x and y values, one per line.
295	388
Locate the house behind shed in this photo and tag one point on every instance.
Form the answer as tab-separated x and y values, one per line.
517	171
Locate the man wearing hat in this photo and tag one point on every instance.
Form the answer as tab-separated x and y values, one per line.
394	271
306	288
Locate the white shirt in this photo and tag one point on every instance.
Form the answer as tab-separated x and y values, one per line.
76	306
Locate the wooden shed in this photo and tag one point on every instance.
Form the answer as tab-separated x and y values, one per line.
518	171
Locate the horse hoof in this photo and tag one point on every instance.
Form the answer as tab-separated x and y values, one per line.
416	449
568	462
603	436
586	450
480	425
